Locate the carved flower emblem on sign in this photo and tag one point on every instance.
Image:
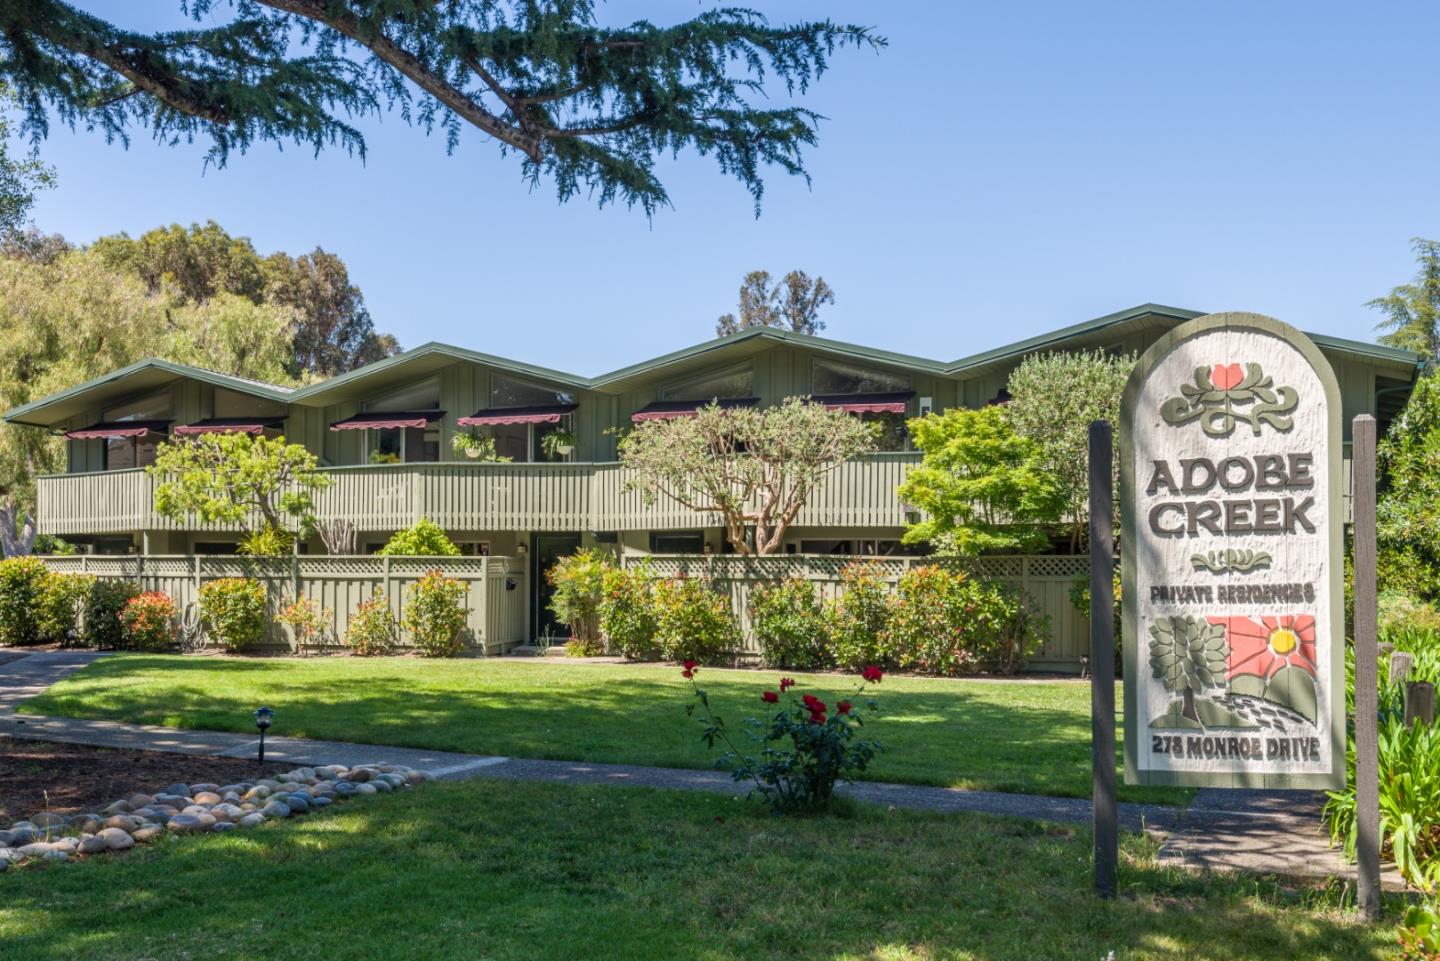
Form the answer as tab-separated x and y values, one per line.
1224	395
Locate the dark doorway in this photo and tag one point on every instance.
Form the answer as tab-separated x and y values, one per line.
545	550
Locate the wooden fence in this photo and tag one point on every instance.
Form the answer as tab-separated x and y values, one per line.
496	595
1045	580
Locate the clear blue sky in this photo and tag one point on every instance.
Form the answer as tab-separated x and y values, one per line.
999	171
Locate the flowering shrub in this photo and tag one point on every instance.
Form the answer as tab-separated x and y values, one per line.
805	748
788	624
232	609
857	622
307	621
149	621
424	538
372	631
22	587
628	618
946	622
103	604
694	622
435	614
579	583
60	604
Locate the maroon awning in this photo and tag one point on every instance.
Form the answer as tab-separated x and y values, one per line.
381	420
671	409
891	403
230	425
534	414
119	428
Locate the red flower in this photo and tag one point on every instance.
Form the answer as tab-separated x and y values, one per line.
689	671
810	700
786	683
843	707
770	697
872	673
1265	645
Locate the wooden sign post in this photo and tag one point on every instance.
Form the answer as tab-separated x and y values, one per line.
1232	559
1367	670
1102	659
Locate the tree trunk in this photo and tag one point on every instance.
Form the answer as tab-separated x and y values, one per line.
1189	710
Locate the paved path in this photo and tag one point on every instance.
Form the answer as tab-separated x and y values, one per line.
1269	831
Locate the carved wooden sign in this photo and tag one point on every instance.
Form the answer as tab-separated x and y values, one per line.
1231	559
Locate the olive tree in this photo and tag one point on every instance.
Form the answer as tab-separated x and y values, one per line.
755	468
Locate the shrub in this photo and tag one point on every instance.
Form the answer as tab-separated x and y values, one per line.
1080	599
788	624
23	581
103	605
308	621
579	583
804	749
424	538
857	622
372	629
149	621
628	617
435	614
232	609
267	542
60	606
1399	611
694	622
947	622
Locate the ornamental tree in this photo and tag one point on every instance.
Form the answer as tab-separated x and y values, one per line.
755	468
237	479
982	487
591	107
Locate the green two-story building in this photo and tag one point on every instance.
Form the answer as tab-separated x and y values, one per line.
384	432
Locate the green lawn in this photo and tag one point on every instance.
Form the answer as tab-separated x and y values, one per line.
1017	735
500	870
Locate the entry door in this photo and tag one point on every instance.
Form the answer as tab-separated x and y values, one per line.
545	550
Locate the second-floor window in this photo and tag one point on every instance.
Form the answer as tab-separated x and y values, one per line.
525	443
409	445
729	384
123	453
833	379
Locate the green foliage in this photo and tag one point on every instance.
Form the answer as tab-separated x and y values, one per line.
23	582
49	544
149	622
579	587
472	446
788	623
424	538
435	614
857	622
694	622
629	619
755	467
308	622
233	611
60	604
372	631
556	444
228	478
792	303
266	542
1408	512
1420	936
1412	311
944	621
20	178
590	106
981	485
1053	399
103	606
1398	611
1080	598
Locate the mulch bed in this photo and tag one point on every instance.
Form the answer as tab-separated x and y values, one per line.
74	779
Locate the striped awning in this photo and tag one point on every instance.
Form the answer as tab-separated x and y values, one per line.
671	409
534	414
889	403
384	420
231	425
119	428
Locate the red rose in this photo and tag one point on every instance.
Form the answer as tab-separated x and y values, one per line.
689	665
810	700
843	707
786	683
872	673
770	697
688	673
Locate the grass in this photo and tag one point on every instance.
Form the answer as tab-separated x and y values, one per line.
501	870
1029	736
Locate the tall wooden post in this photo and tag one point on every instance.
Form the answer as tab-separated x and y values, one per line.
1367	681
1102	658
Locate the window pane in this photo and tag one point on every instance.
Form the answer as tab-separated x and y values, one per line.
677	542
509	392
834	378
387	445
119	453
512	441
422	445
154	407
423	396
541	431
145	448
893	435
726	384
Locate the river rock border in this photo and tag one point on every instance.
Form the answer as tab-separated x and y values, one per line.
197	809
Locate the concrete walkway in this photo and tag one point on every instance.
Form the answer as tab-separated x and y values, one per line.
1266	831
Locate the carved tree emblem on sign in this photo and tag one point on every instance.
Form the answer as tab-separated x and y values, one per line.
1188	655
1224	395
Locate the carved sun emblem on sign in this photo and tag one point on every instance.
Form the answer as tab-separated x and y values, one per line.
1224	395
